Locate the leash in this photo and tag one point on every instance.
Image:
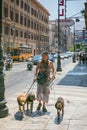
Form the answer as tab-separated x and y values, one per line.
51	83
51	86
32	85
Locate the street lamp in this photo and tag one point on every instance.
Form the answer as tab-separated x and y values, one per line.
58	55
74	46
3	107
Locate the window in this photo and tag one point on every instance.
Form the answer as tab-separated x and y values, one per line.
35	37
6	30
32	24
32	11
28	22
35	13
25	21
16	17
25	35
5	11
32	36
28	9
12	15
29	34
25	7
17	2
21	34
35	26
12	0
22	4
42	18
16	33
11	31
21	19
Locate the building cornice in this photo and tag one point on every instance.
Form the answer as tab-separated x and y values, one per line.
41	6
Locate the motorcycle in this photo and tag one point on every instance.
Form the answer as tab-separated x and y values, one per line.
8	64
30	65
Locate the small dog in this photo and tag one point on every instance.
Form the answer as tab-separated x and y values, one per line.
59	105
21	99
29	100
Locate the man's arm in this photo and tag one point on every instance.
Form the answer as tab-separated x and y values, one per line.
53	70
35	72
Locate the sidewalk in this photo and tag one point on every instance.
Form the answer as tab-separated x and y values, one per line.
69	84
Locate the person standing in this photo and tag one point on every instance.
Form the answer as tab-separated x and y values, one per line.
44	68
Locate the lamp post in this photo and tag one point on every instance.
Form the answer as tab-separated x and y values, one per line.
3	107
58	55
74	46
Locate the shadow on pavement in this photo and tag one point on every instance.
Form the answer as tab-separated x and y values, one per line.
58	121
40	113
76	77
18	116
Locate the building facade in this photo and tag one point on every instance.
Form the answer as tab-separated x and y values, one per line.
25	22
66	36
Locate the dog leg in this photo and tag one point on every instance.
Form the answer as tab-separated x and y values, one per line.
23	108
20	108
62	111
58	113
31	107
27	106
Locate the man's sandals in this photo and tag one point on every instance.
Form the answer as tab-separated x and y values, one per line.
44	109
39	107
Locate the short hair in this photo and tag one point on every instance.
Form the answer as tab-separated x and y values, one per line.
45	52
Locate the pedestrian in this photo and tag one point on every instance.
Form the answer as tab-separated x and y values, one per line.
80	58
83	59
43	69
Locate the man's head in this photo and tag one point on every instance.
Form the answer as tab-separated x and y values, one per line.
45	56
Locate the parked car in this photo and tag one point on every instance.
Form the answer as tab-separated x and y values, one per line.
62	56
55	55
36	59
70	54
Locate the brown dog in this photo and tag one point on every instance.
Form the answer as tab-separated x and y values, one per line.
59	105
21	99
29	100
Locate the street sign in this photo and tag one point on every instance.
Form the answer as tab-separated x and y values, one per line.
66	22
81	36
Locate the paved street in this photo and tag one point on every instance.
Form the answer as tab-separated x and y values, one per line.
71	84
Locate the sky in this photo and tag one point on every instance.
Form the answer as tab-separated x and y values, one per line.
73	7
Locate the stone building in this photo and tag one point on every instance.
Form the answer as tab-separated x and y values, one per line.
25	22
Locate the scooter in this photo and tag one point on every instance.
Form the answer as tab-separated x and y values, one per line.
30	65
8	64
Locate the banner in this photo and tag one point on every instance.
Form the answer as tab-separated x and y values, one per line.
61	3
62	13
